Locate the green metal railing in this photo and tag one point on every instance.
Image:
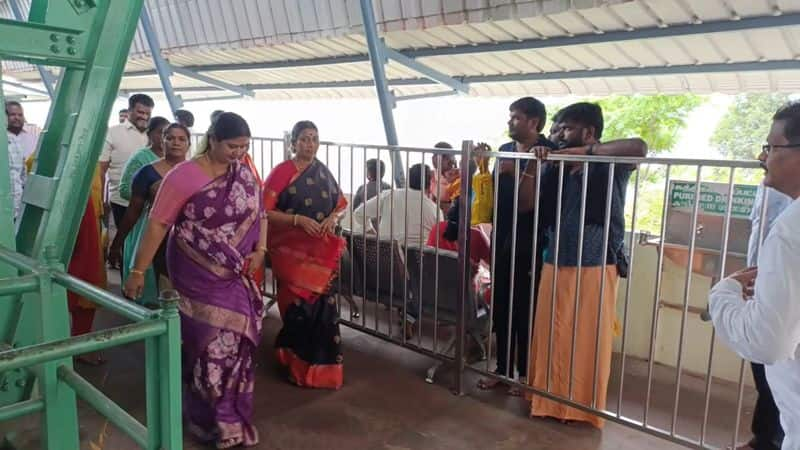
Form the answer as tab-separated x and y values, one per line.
89	40
159	329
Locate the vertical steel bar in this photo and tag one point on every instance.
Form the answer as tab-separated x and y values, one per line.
406	323
152	394
162	66
606	234
436	262
579	268
350	205
656	295
352	244
364	247
378	242
723	262
393	245
739	397
533	294
492	302
385	98
169	353
463	265
556	248
687	286
59	418
514	221
426	182
631	265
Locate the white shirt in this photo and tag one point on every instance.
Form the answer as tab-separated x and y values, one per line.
766	328
18	146
418	219
776	203
122	141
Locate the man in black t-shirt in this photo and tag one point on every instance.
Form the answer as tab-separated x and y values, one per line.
511	308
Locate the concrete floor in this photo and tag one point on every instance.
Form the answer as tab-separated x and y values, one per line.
386	404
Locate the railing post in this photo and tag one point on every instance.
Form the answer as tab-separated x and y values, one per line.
287	146
152	394
169	358
60	415
464	216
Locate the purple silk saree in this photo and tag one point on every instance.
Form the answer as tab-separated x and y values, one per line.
221	309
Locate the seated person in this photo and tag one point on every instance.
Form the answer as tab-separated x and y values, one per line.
445	172
414	213
370	188
447	230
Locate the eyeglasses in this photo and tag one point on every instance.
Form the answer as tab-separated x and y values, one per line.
767	148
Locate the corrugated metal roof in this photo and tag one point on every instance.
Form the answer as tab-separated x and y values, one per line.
314	48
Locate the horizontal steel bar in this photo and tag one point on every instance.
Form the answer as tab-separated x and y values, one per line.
212	99
20	409
19	285
408	345
85	343
679	307
423	96
104	405
25	87
211	81
104	298
20	261
425	71
41	44
632	424
721	26
755	66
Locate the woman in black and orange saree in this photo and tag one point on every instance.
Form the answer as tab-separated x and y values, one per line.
303	204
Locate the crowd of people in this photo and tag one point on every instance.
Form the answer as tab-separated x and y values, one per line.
201	221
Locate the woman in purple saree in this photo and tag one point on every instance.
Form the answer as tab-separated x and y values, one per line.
218	240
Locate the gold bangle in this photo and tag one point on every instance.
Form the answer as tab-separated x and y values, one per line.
526	174
137	271
263	248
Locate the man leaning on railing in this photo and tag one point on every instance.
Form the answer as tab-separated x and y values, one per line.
756	311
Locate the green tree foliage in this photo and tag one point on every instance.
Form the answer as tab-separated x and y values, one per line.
744	127
657	119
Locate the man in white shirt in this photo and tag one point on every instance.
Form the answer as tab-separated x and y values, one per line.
766	423
414	213
122	141
765	327
22	140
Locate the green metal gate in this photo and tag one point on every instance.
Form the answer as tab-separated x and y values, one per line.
90	41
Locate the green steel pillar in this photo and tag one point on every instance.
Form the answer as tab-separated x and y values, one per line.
90	40
169	354
60	416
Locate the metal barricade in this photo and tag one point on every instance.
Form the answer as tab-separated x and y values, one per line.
666	376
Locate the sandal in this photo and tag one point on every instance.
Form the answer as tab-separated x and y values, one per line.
229	443
488	384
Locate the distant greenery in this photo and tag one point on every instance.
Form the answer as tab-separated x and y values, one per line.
744	128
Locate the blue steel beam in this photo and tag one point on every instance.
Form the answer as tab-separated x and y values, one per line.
385	97
225	86
27	88
162	66
691	69
48	79
425	71
751	23
428	95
